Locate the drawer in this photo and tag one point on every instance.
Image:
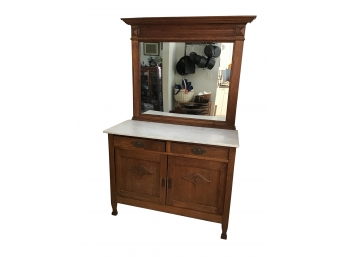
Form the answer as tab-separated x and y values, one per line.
200	150
139	143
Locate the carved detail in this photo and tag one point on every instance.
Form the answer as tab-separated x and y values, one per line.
136	32
239	31
242	31
141	170
196	178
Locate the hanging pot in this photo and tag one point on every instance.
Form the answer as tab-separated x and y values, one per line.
180	67
217	51
193	56
185	66
197	59
209	51
189	65
201	61
210	63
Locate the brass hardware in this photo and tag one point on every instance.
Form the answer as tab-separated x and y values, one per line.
138	144
169	183
163	182
197	151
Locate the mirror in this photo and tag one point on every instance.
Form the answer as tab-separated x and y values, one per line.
206	68
146	35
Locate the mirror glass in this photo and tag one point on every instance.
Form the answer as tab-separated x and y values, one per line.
167	68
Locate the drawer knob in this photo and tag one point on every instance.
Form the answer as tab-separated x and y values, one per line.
138	144
197	151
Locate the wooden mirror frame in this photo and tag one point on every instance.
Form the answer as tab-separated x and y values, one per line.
190	29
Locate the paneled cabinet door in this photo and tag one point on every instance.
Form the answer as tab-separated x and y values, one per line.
196	184
141	175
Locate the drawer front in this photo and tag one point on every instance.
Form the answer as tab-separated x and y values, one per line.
200	150
139	143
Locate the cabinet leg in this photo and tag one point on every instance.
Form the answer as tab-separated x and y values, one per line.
223	235
224	231
114	209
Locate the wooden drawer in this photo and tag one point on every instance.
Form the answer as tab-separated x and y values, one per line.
139	143
200	150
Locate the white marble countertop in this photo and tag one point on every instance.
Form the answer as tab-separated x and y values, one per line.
179	133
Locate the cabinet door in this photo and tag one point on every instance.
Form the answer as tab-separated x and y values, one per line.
196	184
141	175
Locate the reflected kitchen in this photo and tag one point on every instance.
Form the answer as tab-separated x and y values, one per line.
185	79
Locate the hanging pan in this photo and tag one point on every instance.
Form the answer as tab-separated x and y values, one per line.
189	63
209	51
212	51
210	63
201	61
180	67
217	51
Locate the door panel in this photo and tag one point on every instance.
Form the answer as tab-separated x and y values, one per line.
139	175
196	184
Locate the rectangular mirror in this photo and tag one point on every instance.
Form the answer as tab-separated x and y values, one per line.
205	69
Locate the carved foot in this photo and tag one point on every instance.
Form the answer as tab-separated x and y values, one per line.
114	208
223	235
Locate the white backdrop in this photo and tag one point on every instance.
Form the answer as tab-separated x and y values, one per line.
66	76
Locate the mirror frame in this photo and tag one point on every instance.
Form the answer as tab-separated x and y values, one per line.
189	29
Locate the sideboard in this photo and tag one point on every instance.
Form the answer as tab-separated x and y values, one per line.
176	163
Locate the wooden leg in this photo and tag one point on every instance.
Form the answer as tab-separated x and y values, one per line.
112	175
224	230
114	209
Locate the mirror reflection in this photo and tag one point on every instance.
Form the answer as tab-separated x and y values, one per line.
185	79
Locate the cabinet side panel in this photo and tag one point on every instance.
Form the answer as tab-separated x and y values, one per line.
228	194
112	171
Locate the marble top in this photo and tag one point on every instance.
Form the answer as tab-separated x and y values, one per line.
179	133
200	117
